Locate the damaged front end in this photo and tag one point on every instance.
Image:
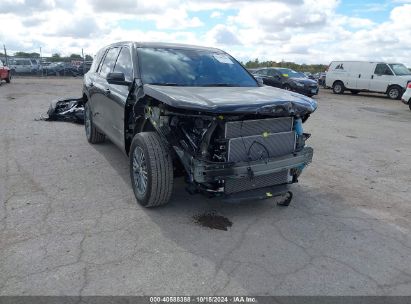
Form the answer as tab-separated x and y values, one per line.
240	156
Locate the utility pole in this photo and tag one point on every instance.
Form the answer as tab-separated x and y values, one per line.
41	63
5	55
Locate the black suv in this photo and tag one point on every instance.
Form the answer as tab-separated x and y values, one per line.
288	79
195	111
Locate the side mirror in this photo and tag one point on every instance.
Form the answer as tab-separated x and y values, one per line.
117	78
259	80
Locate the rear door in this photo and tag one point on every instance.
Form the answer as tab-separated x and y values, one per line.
274	78
381	78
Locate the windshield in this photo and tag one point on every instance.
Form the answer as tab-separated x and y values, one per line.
181	67
290	73
400	69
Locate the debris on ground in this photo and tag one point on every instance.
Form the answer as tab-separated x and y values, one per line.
213	221
71	110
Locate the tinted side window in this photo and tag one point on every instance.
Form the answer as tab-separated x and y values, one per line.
97	61
109	61
124	64
262	72
382	69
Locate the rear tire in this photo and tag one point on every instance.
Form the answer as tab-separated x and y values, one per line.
8	79
409	104
394	92
338	87
151	170
93	135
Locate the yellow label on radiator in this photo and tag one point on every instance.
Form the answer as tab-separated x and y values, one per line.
269	194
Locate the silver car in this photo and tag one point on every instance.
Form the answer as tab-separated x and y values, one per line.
22	65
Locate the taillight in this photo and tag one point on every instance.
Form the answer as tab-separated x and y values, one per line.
409	85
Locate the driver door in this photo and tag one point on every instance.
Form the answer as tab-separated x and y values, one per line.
381	78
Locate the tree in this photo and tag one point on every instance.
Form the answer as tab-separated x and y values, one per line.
88	58
25	54
76	56
313	68
55	57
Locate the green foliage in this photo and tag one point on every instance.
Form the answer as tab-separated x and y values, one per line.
88	58
312	68
76	56
27	55
56	57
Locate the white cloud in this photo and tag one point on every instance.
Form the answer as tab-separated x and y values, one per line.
309	31
216	14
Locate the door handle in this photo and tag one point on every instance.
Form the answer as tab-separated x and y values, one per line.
107	91
372	76
359	75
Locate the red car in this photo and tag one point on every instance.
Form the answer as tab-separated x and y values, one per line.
5	73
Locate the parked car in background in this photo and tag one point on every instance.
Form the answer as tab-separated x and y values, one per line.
5	73
288	79
406	97
309	75
84	67
321	79
364	76
36	65
22	65
60	69
179	108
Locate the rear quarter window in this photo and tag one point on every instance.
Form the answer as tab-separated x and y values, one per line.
109	61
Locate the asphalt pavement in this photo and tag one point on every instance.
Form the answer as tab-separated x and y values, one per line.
70	225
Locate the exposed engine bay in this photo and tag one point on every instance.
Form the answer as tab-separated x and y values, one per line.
230	154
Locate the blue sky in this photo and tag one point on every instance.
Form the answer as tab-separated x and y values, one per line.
304	31
377	11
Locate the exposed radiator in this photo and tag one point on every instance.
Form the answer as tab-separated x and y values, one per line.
245	128
252	140
261	147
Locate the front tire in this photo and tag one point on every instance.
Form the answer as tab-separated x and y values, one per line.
93	135
338	87
394	92
151	170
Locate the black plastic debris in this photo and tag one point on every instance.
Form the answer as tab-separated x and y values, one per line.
213	221
71	110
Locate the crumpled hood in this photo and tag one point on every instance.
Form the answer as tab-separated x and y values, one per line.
235	100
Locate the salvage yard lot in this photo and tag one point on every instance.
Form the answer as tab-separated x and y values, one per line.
70	225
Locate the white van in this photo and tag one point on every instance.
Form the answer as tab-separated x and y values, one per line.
363	76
